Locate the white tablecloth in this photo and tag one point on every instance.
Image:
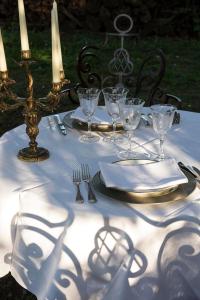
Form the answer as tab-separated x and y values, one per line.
59	249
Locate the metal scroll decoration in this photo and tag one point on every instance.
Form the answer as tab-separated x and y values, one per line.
84	68
120	66
122	69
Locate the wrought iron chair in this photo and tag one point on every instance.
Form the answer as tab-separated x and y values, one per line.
143	83
143	80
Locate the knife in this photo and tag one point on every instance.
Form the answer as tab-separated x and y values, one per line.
188	169
60	124
196	170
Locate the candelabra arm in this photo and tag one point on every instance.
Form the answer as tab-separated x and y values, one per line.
51	101
8	99
31	107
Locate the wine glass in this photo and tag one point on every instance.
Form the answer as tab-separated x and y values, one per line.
130	113
162	117
88	98
113	97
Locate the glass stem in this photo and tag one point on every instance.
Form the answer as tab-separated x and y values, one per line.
161	156
114	129
89	126
129	140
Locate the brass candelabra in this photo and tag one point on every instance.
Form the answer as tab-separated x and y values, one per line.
32	107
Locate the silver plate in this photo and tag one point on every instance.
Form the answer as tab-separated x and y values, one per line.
174	193
79	125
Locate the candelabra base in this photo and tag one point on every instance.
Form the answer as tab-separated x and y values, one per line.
26	154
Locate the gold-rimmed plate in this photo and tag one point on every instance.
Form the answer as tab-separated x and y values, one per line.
173	193
79	125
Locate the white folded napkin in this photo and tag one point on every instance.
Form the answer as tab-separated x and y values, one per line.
100	117
141	178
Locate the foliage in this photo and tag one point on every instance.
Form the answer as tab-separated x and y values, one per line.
182	76
153	17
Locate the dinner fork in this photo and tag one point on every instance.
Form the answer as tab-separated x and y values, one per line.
77	181
86	178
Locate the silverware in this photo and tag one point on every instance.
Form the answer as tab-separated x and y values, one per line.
177	118
191	171
77	180
86	178
60	124
51	123
196	170
187	168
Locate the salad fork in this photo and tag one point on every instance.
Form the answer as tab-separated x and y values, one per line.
77	180
86	178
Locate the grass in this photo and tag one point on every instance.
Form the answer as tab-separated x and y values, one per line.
182	76
183	64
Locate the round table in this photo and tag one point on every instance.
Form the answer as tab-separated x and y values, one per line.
59	249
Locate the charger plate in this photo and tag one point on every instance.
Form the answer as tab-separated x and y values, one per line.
173	193
77	124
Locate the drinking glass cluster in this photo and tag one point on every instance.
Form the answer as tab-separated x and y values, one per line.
128	112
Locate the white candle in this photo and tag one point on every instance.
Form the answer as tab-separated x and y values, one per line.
23	27
55	55
3	65
58	35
